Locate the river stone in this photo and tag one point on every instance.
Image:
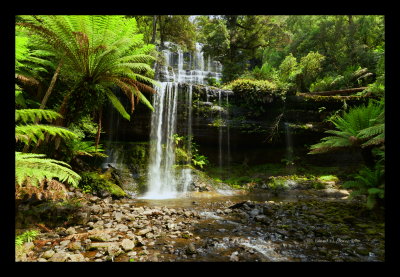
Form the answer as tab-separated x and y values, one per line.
234	257
64	243
70	231
96	209
48	254
100	236
75	245
28	246
143	231
118	216
127	245
114	250
77	258
101	245
59	257
122	227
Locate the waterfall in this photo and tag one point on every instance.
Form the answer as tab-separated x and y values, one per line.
220	133
164	181
289	147
228	139
161	175
187	171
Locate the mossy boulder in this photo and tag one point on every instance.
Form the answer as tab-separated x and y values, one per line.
100	184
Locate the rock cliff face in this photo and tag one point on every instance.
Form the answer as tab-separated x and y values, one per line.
222	124
217	115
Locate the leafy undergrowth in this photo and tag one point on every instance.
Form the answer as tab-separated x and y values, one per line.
277	176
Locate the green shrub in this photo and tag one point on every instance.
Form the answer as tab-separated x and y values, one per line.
27	236
369	182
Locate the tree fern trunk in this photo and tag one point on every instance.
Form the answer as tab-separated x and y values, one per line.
61	121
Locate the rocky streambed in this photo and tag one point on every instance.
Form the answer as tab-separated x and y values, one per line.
212	228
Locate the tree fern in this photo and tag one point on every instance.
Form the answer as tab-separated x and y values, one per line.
353	129
33	168
98	50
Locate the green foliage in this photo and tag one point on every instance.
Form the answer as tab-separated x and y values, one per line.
33	168
289	69
27	236
31	133
369	182
199	160
98	53
30	115
354	128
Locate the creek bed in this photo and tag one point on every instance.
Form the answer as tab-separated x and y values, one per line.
229	227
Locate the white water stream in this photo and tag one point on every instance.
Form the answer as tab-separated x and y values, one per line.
164	181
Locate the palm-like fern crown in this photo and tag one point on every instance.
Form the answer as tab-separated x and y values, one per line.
104	51
360	126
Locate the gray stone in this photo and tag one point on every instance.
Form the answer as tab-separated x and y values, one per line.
143	231
99	236
77	258
75	245
122	227
114	250
234	257
48	254
127	245
59	257
64	243
101	245
70	231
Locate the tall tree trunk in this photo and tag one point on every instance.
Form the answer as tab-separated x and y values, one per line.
98	129
153	38
52	83
351	40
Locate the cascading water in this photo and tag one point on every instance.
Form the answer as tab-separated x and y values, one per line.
289	147
163	180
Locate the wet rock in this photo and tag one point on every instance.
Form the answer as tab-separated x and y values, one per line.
191	249
234	257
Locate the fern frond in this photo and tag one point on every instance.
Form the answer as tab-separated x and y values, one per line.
30	115
34	132
117	104
35	167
